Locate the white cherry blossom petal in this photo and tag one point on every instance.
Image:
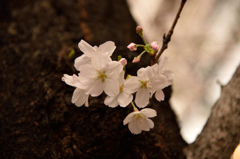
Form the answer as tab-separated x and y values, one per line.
142	97
68	80
132	84
82	60
95	48
129	117
144	124
99	61
79	97
85	47
133	127
150	123
124	99
148	112
159	95
86	103
152	91
113	69
82	100
111	87
160	82
141	72
107	47
94	87
111	101
87	71
121	79
144	73
75	96
77	82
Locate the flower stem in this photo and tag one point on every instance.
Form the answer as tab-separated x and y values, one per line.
142	53
134	107
139	45
143	39
167	37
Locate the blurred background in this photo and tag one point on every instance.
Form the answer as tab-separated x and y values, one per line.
204	52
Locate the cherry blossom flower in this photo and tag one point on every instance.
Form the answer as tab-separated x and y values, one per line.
123	98
139	120
98	74
161	78
106	48
101	75
142	85
79	95
148	81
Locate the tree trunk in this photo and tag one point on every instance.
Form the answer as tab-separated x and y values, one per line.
221	134
37	117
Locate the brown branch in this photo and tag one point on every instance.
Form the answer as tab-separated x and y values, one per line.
167	39
221	134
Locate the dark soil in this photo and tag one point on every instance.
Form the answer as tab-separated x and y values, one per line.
37	118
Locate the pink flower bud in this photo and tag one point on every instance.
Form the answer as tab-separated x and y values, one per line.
136	59
123	61
139	30
154	46
132	47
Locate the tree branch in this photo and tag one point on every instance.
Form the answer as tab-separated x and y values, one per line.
220	135
167	39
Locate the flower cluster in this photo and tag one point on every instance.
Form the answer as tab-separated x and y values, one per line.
148	81
98	73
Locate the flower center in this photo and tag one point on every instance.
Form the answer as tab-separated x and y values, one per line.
121	88
144	84
139	118
101	75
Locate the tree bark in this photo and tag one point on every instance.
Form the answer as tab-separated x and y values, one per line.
37	119
221	134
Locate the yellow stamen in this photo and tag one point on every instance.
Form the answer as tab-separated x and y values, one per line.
139	118
121	88
144	84
101	75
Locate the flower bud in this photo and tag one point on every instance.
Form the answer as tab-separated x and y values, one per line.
132	47
139	30
136	59
154	46
123	61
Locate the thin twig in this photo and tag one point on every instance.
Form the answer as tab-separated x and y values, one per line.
167	39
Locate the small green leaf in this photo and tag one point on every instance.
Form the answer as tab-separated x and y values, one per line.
71	54
119	57
128	75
